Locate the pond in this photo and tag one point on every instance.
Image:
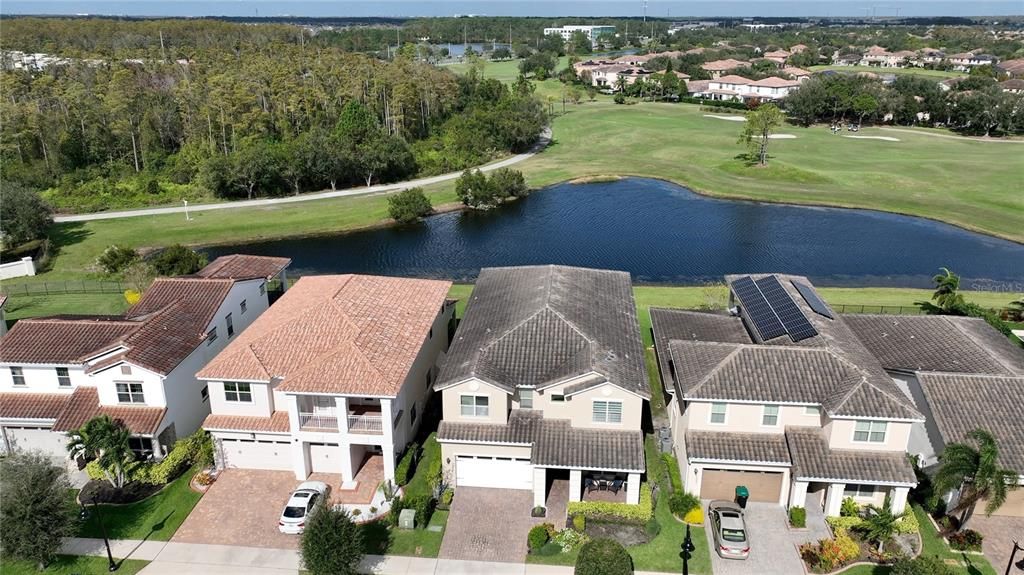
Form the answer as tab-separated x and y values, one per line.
663	234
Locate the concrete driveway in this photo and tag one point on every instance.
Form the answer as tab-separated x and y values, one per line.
488	525
1000	533
773	547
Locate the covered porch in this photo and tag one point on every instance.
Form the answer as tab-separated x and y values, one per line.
585	485
321	413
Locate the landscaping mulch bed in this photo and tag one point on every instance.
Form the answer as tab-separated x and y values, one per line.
628	534
105	493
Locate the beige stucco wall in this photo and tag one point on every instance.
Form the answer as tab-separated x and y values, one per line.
449	451
579	408
498	400
840	434
746	418
261	406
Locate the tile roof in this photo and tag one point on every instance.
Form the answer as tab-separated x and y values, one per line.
684	325
554	442
32	405
746	447
536	325
733	79
775	82
813	459
961	403
276	423
723	65
795	71
697	86
937	343
336	334
243	267
84	405
62	341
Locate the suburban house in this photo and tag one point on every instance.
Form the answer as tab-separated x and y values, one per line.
545	382
58	372
334	377
733	87
1013	85
719	67
967	60
1012	68
777	56
963	375
798	74
607	73
778	394
878	56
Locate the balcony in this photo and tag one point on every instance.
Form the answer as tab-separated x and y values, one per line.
361	419
319	421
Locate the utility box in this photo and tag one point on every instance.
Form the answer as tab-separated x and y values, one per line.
407	519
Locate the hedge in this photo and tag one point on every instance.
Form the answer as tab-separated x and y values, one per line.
196	448
907	524
673	471
402	475
639	513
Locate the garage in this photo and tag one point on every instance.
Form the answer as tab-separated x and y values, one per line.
325	457
764	486
253	454
1013	507
497	472
28	438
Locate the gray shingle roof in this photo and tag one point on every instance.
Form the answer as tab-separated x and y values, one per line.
533	325
962	403
746	447
938	343
669	324
555	442
814	460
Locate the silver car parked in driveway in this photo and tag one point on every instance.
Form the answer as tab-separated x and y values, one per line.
729	530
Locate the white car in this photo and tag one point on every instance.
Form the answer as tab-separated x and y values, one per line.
300	505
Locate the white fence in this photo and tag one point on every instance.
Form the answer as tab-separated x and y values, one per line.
24	267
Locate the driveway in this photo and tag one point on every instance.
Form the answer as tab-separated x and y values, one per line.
1000	533
488	525
773	546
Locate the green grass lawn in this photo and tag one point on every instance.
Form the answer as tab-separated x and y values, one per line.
19	307
155	518
420	482
936	74
72	565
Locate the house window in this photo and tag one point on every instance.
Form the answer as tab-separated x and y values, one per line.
231	325
63	377
263	288
241	308
607	412
557	398
870	431
812	410
211	336
475	406
717	413
770	416
237	391
412	415
130	393
205	392
18	376
526	398
142	447
857	490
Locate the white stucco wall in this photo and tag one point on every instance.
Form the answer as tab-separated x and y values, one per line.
746	418
579	408
499	402
840	434
41	379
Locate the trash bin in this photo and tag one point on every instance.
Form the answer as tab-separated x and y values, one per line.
742	494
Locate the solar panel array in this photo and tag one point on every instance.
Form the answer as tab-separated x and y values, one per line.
811	297
771	309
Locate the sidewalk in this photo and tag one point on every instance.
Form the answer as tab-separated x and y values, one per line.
172	558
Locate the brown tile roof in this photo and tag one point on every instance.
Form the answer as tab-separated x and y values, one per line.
62	341
244	267
745	447
777	54
733	79
683	325
796	72
276	423
775	82
697	86
1012	67
961	403
336	334
32	405
814	460
85	405
723	65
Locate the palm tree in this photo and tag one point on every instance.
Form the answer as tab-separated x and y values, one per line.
106	440
947	290
975	471
881	522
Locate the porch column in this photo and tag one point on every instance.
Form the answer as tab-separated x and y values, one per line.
284	280
540	484
387	445
633	489
899	499
798	494
300	452
834	499
575	485
341	407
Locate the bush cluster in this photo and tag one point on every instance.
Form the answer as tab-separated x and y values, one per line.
116	259
579	523
966	540
798	517
672	465
603	557
640	513
849	508
694	516
923	565
539	535
828	554
476	190
409	205
681	503
196	449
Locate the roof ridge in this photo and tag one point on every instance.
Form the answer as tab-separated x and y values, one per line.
248	347
956	324
971	375
725	360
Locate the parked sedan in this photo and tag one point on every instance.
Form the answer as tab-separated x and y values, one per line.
730	530
300	505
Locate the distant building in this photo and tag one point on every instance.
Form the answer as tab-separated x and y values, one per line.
719	67
738	88
1012	68
592	32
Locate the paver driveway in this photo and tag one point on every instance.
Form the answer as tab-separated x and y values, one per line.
1000	533
488	525
773	547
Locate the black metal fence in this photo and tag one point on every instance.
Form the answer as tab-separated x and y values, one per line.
62	287
878	309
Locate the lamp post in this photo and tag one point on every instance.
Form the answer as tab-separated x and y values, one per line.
1013	554
688	550
187	218
83	515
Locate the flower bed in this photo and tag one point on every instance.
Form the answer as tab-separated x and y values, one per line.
377	508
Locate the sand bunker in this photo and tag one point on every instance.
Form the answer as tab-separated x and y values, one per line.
885	138
730	118
781	137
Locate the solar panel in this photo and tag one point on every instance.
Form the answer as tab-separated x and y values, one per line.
811	297
792	317
758	309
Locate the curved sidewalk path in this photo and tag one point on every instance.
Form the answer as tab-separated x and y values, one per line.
951	136
545	139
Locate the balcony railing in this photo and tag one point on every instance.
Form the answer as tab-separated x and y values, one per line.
365	423
318	421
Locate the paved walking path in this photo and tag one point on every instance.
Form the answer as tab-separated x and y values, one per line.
545	139
172	558
953	136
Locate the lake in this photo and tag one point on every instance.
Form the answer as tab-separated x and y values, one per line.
663	234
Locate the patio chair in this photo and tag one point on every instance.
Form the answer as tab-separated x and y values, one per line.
590	484
616	486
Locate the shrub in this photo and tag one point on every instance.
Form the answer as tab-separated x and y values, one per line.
34	509
923	565
537	511
948	523
116	258
844	523
508	183
178	260
835	552
849	508
798	517
569	539
603	557
579	523
402	470
409	205
205	478
424	506
682	503
810	553
537	537
639	513
672	465
966	540
548	549
132	296
447	496
397	505
331	544
694	516
907	524
25	214
652	528
619	98
357	512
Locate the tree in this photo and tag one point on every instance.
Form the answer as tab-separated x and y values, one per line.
975	471
864	105
106	440
24	216
116	258
947	296
178	260
34	509
474	190
257	164
331	543
881	523
502	53
603	557
506	183
758	129
409	205
579	43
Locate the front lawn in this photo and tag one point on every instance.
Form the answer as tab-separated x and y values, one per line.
420	482
155	518
72	565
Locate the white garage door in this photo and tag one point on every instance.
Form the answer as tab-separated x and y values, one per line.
325	457
501	472
41	438
252	454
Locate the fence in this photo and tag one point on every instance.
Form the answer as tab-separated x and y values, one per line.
62	287
878	309
20	268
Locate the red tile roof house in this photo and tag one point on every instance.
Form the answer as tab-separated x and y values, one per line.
58	372
720	67
337	370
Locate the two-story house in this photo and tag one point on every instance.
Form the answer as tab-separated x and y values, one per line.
545	381
779	395
335	375
56	373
